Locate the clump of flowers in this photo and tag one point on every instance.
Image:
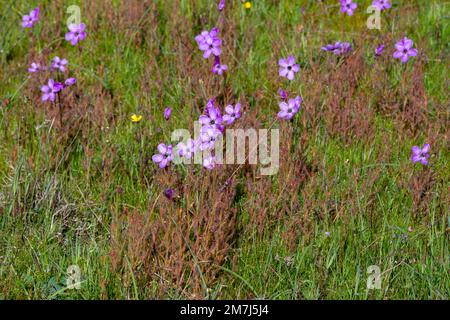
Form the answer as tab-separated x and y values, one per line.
288	68
290	109
405	50
30	19
77	32
348	7
338	48
381	4
420	154
165	155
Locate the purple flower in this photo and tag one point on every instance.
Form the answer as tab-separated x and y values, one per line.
187	149
381	4
167	113
290	109
379	50
288	68
59	64
348	6
164	156
49	91
209	162
208	137
327	234
420	154
35	67
338	48
70	81
209	43
232	113
221	5
169	193
76	33
219	69
30	19
283	94
404	50
213	118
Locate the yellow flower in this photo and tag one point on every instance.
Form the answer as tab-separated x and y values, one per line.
247	5
136	118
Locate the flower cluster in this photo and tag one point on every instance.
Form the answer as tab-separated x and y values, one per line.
213	124
210	43
338	48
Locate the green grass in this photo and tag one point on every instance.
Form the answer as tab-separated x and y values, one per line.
55	213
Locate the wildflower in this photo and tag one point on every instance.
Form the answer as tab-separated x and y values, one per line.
283	94
70	81
290	109
327	234
59	64
77	32
209	43
221	5
209	162
379	50
213	118
30	19
338	48
167	113
208	137
136	118
169	193
187	149
421	155
247	5
348	6
232	113
219	69
410	229
164	156
288	68
381	4
49	91
35	67
404	50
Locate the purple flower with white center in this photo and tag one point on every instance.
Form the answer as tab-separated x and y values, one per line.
219	69
404	50
186	150
209	162
289	110
379	50
35	67
221	5
421	155
59	64
30	19
348	6
283	94
231	114
212	118
381	4
164	156
288	68
209	43
70	81
77	32
167	113
339	48
208	137
50	90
